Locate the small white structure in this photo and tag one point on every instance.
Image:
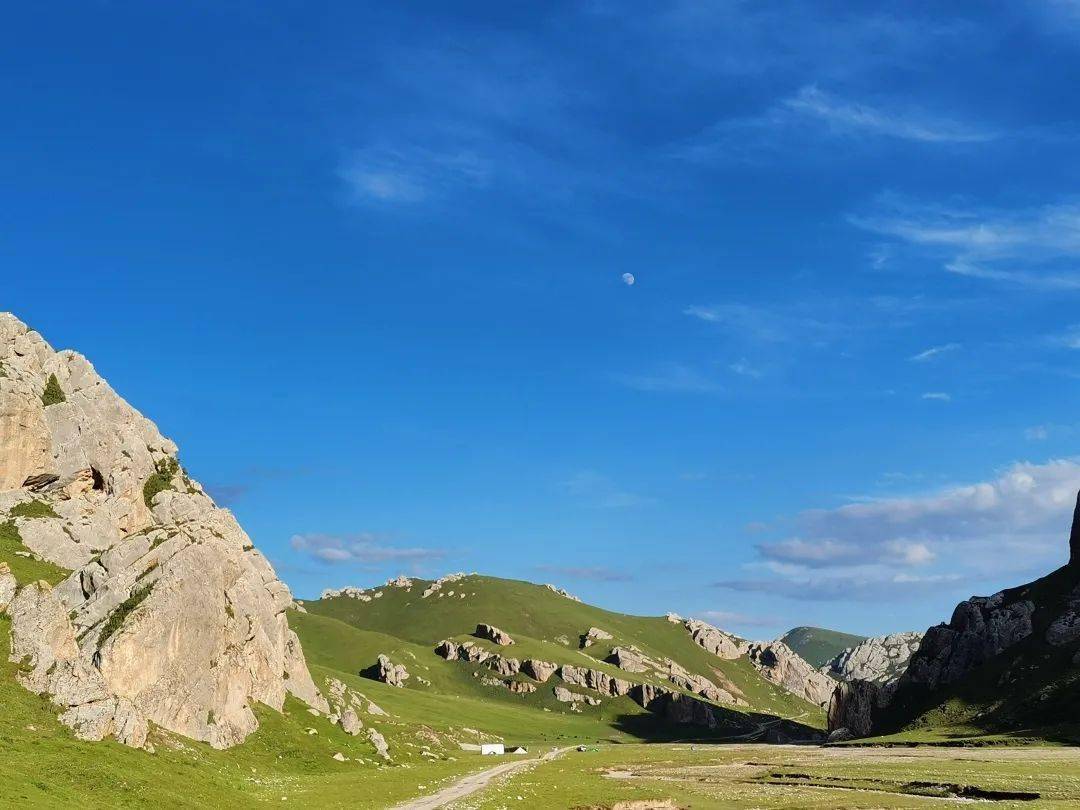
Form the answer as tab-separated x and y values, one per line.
492	749
517	749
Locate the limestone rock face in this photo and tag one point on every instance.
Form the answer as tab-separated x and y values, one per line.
390	673
170	614
780	664
7	586
980	628
880	659
492	633
715	640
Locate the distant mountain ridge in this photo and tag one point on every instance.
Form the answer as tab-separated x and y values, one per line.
818	645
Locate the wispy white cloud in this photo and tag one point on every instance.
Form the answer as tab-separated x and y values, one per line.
730	618
600	491
933	352
769	324
367	550
937	396
853	118
827	118
1037	248
1037	433
410	175
906	544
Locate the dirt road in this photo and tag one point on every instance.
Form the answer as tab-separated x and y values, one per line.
474	782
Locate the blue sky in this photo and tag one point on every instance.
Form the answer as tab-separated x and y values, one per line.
365	263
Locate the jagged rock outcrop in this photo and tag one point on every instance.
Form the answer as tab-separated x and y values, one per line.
880	659
979	629
594	679
504	666
437	585
715	640
564	695
390	673
780	664
382	748
631	659
562	592
492	633
594	635
170	615
346	705
538	670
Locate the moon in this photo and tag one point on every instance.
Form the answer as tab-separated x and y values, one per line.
628	279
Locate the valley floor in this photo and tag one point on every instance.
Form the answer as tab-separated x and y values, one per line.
733	776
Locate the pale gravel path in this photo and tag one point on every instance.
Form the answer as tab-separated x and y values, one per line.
473	783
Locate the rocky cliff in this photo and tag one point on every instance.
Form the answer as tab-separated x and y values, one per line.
169	614
1009	659
880	659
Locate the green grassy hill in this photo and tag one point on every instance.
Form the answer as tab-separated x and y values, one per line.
291	757
818	645
346	634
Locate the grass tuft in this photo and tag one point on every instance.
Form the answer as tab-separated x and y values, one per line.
33	509
53	393
123	610
161	479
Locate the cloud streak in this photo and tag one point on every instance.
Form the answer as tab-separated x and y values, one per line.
366	550
589	573
1037	248
933	352
906	545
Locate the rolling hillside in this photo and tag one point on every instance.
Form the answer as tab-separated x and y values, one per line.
346	634
818	645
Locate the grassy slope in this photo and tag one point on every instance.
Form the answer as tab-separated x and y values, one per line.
540	621
818	645
1030	691
45	766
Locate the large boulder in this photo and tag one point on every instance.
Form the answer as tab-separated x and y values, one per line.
492	633
390	673
537	669
593	635
170	615
721	644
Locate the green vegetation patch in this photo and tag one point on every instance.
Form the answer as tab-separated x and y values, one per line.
33	509
26	568
123	610
53	393
161	479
